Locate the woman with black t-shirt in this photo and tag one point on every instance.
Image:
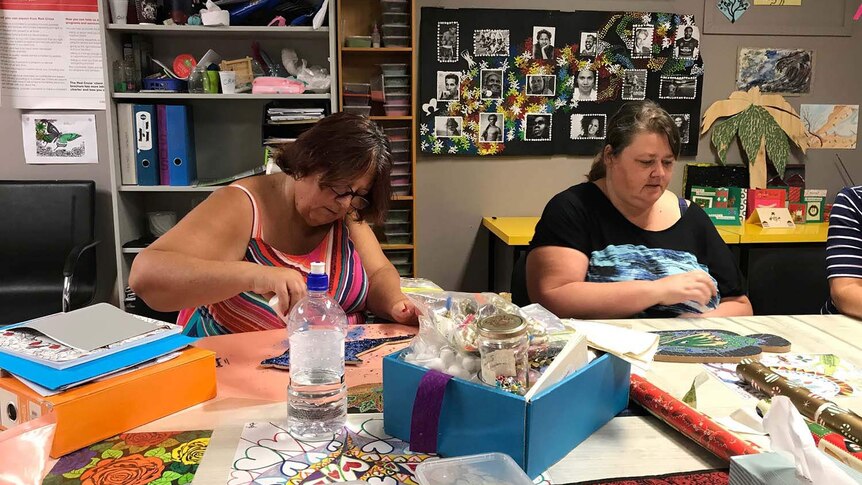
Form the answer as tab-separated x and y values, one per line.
621	245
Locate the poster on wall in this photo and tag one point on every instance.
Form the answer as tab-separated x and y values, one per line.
53	138
534	82
51	54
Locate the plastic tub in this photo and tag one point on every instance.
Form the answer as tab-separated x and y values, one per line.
397	238
396	90
357	99
488	467
401	189
398	99
396	110
395	30
400	156
397	134
400	145
358	110
396	18
377	91
394	69
358	41
400	180
400	168
398	215
394	6
399	257
357	88
404	269
398	227
395	82
396	41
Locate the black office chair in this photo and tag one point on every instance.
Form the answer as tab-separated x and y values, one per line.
519	281
47	252
790	280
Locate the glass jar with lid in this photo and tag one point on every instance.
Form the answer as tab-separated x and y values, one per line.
503	346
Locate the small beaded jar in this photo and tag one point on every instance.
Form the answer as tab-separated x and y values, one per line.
503	345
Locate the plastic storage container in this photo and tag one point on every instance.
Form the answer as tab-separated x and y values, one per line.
399	145
397	227
358	110
395	82
397	134
400	179
395	30
396	110
404	269
392	18
394	6
399	256
398	215
400	168
487	468
394	69
398	90
397	237
358	41
357	88
400	189
357	99
398	99
400	156
396	41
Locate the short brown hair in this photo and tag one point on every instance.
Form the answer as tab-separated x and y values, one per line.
633	118
342	148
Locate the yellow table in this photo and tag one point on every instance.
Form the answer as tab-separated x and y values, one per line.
516	232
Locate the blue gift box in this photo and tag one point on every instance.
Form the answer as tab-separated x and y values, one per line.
476	418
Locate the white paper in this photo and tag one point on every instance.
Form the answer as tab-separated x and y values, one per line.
51	54
570	359
638	348
59	138
789	434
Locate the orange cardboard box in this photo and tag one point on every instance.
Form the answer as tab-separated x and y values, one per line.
98	410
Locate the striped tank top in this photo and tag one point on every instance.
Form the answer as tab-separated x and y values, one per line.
248	311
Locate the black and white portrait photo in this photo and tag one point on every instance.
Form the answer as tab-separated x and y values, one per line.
491	128
678	87
588	127
541	85
491	84
538	127
642	41
687	43
490	42
543	42
588	43
586	86
448	126
447	41
634	84
682	122
448	86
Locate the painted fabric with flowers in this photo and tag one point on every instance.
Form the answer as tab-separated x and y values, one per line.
166	458
533	82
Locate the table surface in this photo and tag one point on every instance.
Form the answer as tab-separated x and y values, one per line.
518	231
627	446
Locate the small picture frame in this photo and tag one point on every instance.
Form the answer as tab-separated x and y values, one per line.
491	84
490	42
588	126
642	37
586	86
448	126
540	85
447	41
677	87
686	45
539	126
448	86
683	123
543	42
634	84
589	44
491	128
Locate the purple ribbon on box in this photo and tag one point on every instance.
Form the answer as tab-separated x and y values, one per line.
426	411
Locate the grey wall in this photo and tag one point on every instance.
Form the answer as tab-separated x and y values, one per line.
453	194
12	167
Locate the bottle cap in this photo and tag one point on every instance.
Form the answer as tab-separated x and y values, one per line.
502	326
318	280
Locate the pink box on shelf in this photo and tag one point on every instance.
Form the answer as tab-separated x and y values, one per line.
395	110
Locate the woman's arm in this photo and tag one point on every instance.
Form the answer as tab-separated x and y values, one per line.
732	306
846	293
199	261
384	284
556	280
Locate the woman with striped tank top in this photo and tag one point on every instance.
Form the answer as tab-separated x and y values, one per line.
222	263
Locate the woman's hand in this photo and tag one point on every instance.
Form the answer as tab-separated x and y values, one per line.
692	286
404	311
285	283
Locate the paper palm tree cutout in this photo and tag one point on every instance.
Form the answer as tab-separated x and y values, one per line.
763	123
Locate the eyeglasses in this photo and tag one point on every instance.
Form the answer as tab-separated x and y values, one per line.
357	201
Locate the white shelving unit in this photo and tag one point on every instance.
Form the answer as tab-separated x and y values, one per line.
227	126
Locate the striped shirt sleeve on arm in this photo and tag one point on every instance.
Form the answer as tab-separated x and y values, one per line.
844	244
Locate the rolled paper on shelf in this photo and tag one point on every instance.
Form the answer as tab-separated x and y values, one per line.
816	408
691	423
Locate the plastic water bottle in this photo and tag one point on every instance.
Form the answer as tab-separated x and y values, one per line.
316	395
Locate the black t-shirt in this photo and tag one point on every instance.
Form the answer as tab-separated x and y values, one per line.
582	218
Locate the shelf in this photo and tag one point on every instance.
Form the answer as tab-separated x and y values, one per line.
167	188
395	246
199	30
246	96
402	197
390	118
132	250
376	49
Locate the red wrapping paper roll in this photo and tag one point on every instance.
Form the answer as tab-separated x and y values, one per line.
694	425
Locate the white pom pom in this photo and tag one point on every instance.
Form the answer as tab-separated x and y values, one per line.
447	355
436	364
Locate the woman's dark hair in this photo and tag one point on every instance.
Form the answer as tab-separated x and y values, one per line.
634	118
342	148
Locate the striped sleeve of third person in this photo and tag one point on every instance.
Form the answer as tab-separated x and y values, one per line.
844	245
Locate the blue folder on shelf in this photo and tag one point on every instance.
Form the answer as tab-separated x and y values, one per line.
180	145
146	144
54	378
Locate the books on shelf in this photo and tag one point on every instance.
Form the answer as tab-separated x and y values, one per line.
294	115
232	178
157	145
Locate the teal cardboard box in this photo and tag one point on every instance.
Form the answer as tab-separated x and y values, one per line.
475	418
773	469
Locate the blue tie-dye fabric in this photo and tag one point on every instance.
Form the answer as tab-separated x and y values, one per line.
628	262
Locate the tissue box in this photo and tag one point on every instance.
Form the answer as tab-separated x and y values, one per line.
476	418
772	469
